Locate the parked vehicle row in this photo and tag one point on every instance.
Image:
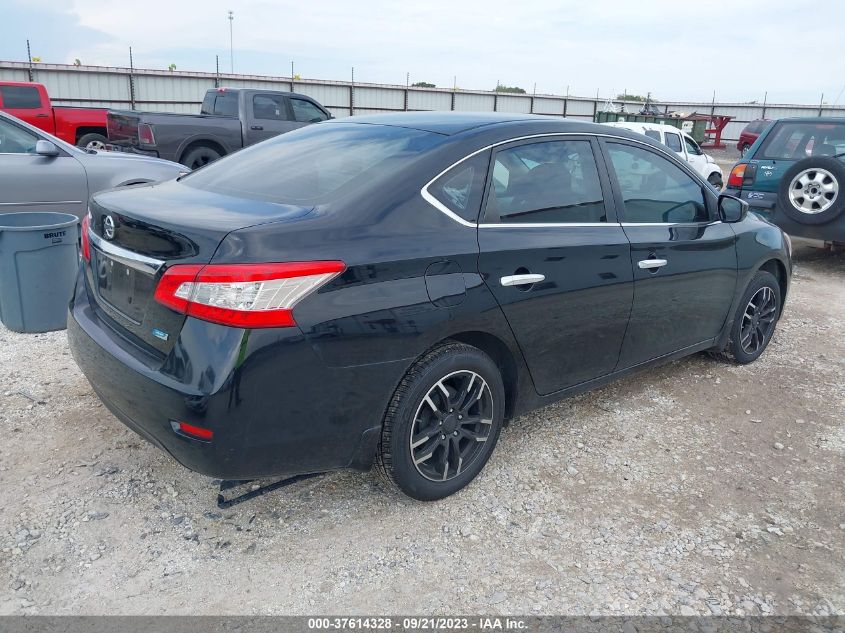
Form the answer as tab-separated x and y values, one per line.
392	288
228	120
29	102
39	172
793	176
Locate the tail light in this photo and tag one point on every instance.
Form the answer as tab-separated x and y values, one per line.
145	134
86	241
192	431
737	176
243	295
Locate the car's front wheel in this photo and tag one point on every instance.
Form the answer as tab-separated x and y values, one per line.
755	320
443	422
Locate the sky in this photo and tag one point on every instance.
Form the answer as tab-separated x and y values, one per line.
674	49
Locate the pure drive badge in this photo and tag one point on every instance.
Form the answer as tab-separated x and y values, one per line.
160	334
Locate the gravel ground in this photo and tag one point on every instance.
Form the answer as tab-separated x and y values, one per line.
695	488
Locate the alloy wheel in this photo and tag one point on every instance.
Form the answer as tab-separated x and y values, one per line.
758	320
451	425
813	190
96	145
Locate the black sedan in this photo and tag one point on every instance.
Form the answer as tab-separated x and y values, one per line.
391	289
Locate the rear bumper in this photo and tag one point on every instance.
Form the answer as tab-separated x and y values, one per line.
274	408
764	203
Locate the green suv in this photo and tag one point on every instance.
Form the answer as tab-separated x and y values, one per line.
794	175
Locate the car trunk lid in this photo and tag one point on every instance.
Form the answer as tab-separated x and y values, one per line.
138	232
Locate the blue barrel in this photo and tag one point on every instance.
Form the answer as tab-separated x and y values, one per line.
39	258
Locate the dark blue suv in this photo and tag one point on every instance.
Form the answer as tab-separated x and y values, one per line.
793	176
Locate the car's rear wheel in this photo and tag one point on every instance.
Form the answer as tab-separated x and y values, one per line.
200	156
92	141
744	150
755	320
811	191
443	422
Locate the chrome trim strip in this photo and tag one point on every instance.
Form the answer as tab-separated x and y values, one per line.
30	204
445	210
126	257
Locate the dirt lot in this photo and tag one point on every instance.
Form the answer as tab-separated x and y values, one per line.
698	487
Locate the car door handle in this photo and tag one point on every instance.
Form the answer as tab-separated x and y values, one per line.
521	280
650	264
256	127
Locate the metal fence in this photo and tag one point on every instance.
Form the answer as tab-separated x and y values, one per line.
182	91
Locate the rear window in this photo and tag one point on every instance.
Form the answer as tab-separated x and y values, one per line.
653	134
797	139
15	97
315	163
755	127
220	103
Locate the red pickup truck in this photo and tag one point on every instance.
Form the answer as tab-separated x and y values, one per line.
83	127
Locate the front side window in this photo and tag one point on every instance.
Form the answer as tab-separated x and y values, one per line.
460	189
15	140
547	182
655	190
306	112
269	107
673	142
20	97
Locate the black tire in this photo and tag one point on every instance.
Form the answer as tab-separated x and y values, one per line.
96	141
835	168
409	406
200	156
715	180
737	350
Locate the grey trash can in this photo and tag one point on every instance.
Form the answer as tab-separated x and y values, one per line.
38	263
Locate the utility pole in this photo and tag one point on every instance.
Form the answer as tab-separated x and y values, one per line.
231	46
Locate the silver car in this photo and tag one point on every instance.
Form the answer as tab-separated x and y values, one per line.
39	172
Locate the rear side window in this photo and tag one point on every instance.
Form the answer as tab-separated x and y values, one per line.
20	97
220	103
306	112
269	107
653	134
549	182
673	142
655	190
461	188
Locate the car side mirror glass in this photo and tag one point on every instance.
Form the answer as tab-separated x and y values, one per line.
46	148
732	209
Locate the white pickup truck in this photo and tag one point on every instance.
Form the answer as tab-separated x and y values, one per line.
682	144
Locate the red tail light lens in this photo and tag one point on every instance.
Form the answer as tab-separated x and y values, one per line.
145	134
737	176
86	241
192	430
243	295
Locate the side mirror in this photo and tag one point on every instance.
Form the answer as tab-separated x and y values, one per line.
46	148
732	209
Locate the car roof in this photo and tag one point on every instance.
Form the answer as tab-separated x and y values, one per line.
456	123
646	125
813	119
